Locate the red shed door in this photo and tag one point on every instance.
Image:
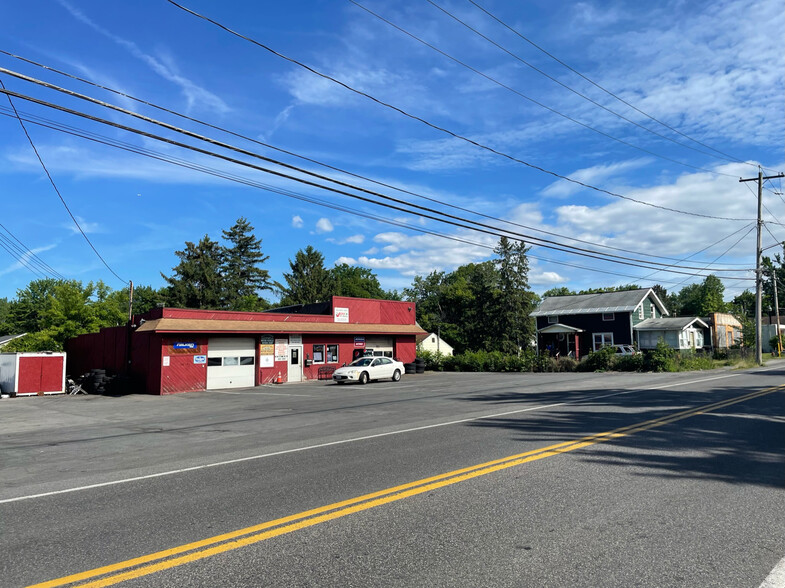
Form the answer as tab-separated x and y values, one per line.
52	374
29	376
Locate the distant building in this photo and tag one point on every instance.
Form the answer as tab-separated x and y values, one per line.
436	344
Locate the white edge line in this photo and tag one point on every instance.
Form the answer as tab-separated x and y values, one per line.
352	440
776	579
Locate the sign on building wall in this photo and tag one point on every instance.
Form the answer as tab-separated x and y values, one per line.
266	351
166	360
188	345
281	350
340	315
295	339
359	341
200	359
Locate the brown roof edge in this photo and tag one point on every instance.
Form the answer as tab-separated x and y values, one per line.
172	325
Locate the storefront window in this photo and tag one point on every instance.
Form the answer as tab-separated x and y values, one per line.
332	354
318	353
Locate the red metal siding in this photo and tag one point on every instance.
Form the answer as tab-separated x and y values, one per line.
52	374
29	375
182	374
406	348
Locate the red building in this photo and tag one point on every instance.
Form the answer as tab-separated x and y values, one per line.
170	350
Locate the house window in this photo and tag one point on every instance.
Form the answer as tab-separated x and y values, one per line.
640	312
332	354
651	309
318	353
552	320
602	340
608	316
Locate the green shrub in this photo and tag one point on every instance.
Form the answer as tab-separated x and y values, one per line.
628	363
566	364
774	343
600	360
660	359
433	360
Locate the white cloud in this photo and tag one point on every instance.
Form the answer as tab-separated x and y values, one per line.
297	221
598	174
87	227
323	225
163	65
546	278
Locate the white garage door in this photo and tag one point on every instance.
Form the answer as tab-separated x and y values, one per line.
381	346
230	362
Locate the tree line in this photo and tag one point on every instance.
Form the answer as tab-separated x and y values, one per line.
482	306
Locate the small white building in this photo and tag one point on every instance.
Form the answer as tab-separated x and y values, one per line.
436	344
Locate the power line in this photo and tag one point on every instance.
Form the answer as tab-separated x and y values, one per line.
596	85
311	160
524	96
481	227
439	128
26	253
51	181
532	100
557	247
290	194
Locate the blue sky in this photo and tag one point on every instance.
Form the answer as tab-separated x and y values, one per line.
711	70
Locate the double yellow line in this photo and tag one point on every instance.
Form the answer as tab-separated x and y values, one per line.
177	556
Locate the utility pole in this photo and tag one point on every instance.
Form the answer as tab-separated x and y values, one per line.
758	273
130	302
777	310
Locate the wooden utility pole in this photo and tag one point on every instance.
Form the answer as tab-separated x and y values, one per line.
758	273
777	310
130	302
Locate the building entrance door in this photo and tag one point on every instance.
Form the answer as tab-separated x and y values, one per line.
295	373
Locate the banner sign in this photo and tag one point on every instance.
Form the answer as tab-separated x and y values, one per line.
184	345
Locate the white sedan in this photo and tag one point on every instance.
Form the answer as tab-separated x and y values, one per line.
365	369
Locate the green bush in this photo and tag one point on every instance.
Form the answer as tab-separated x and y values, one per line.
694	361
433	360
660	359
566	364
774	343
487	361
600	360
628	363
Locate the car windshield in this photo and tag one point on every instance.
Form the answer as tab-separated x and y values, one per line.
362	362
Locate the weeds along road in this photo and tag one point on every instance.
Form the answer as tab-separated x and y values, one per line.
439	480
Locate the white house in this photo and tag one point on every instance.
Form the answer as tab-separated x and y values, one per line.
436	344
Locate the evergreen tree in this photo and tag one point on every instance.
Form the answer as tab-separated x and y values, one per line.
309	281
243	278
516	301
196	281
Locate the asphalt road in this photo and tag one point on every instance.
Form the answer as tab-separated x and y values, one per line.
439	480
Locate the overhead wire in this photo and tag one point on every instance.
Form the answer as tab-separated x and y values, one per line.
481	227
437	127
559	247
56	189
529	98
28	254
94	137
598	86
328	166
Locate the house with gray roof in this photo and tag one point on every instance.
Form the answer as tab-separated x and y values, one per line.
576	325
680	332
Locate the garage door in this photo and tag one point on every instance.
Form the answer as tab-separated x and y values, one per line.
381	346
230	362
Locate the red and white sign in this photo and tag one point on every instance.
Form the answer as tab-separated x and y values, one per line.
340	315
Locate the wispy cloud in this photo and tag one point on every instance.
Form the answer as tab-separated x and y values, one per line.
297	221
597	174
163	65
324	225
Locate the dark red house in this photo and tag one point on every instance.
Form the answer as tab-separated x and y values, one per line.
170	350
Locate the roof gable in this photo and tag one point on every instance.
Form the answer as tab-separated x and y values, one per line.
624	301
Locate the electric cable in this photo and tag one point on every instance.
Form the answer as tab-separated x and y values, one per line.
532	100
294	154
437	127
183	163
21	260
475	226
29	254
596	85
51	181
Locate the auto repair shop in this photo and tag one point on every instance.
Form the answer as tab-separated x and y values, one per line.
169	350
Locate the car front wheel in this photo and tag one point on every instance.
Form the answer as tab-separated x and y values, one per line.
364	378
396	375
